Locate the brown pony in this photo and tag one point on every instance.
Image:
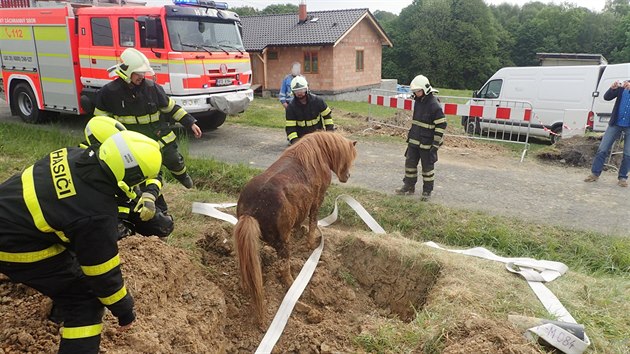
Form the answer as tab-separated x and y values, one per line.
275	202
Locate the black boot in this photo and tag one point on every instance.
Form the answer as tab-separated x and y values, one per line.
425	196
406	190
185	180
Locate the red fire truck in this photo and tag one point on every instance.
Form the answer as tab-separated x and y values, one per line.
54	59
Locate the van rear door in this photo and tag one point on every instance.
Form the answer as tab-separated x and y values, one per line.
601	108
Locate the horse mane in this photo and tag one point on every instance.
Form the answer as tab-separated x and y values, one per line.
319	149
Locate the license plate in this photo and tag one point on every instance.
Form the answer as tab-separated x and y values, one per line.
224	82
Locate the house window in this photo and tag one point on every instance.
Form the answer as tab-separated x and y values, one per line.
272	55
359	60
311	64
101	32
127	32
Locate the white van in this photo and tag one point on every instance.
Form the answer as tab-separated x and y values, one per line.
552	91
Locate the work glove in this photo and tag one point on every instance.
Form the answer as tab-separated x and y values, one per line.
433	156
146	206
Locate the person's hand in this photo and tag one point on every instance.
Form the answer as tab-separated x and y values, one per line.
616	85
285	104
196	130
433	155
146	206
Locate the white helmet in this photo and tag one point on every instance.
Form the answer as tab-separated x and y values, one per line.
133	61
299	83
421	82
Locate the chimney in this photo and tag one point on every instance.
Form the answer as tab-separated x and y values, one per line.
302	12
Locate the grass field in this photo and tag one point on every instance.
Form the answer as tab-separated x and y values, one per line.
599	299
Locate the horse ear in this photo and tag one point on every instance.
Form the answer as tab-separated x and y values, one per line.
354	143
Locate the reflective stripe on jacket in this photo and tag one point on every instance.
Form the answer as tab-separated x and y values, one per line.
66	201
142	104
429	123
302	119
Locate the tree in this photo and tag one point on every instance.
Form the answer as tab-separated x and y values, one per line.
245	11
280	9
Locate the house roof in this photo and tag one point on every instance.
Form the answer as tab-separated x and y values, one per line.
320	28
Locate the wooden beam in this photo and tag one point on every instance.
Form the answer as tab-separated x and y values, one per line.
263	59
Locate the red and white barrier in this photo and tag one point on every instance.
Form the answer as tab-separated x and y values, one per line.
488	112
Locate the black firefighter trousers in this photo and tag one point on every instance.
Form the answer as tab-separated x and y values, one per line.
60	278
413	155
171	158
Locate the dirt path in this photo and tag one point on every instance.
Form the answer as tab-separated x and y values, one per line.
465	179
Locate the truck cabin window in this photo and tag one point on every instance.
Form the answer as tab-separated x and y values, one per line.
491	90
204	35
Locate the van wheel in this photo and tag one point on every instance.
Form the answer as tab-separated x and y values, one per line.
210	120
471	125
557	134
25	103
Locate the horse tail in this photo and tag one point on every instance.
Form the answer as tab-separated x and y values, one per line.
246	236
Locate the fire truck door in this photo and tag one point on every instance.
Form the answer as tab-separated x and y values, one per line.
18	50
96	50
56	69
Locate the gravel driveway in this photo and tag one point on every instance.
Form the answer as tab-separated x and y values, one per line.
465	179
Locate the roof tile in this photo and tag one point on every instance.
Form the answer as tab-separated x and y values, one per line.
321	28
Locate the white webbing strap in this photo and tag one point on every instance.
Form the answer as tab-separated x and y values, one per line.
358	208
211	210
536	272
299	284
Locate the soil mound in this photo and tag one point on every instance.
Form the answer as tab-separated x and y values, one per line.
479	335
187	307
576	151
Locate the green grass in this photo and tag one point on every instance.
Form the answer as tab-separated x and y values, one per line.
600	262
588	252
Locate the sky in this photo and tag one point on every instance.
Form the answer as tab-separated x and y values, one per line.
390	5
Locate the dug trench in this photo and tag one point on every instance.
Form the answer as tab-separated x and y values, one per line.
190	301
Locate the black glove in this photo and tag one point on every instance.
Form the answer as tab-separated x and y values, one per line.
433	156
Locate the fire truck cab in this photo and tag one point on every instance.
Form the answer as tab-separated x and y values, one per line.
54	59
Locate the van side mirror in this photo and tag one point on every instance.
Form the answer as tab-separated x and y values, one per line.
475	94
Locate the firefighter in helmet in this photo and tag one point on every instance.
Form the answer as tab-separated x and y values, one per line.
147	214
424	138
143	106
306	113
58	231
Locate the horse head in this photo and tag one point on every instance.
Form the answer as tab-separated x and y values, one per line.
345	156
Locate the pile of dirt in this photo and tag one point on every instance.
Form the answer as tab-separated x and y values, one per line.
480	335
178	310
185	307
575	151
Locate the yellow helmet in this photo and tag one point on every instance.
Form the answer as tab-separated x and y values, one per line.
100	128
299	83
133	61
421	82
132	158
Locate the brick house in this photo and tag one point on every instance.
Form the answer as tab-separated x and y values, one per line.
340	50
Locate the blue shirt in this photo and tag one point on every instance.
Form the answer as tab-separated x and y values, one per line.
286	95
623	119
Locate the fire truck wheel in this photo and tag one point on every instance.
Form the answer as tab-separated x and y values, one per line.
210	120
25	104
